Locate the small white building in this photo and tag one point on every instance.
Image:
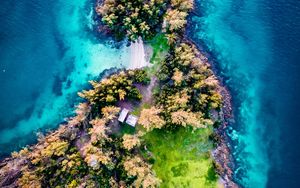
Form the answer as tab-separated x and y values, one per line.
132	120
123	115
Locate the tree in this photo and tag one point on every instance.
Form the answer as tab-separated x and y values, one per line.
150	119
184	54
82	110
171	38
215	100
178	101
98	122
130	141
29	179
177	77
98	131
137	167
182	5
110	112
175	20
95	156
132	19
122	94
185	118
57	148
113	89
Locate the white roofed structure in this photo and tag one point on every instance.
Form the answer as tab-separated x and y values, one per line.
132	120
123	115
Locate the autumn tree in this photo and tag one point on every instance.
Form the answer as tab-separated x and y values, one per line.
182	5
177	101
82	111
185	118
110	112
142	171
50	148
184	54
29	179
95	156
130	141
151	119
177	77
174	20
171	37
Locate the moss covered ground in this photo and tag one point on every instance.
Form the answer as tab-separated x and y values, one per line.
160	48
182	157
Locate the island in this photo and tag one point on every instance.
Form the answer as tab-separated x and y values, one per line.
156	124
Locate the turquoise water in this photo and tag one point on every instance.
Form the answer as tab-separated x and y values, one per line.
256	48
49	52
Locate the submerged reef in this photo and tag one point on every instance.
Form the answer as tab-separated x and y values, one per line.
156	126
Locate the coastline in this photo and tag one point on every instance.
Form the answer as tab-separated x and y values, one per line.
222	153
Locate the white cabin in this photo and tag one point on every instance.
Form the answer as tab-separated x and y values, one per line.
123	115
132	120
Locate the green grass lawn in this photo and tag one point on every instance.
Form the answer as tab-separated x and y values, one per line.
181	157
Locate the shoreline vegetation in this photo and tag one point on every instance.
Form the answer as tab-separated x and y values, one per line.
172	90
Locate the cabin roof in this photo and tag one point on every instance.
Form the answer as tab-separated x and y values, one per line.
132	120
123	115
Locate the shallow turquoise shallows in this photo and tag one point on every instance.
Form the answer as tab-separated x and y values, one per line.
48	53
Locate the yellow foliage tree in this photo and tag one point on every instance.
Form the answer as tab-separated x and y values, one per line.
98	122
110	112
82	110
183	5
145	177
57	148
177	77
98	131
130	141
29	180
171	37
184	54
95	156
150	118
177	101
174	20
185	118
215	100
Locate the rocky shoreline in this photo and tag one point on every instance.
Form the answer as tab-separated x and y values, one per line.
222	153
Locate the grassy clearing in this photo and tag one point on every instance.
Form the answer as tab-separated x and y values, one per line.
160	48
182	157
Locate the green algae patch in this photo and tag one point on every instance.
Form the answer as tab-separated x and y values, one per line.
182	157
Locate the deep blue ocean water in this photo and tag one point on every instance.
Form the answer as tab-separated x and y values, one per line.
48	52
256	48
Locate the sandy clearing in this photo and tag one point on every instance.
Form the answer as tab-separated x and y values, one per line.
137	55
